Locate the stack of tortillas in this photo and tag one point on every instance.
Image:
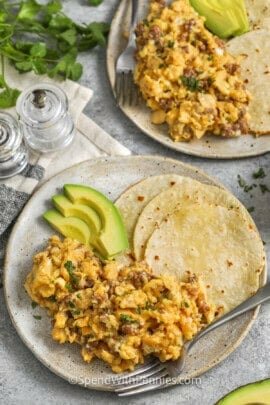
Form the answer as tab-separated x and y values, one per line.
181	226
253	49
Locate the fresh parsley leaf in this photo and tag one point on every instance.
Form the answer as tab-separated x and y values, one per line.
8	98
38	50
29	9
39	67
251	209
2	82
38	317
75	71
95	2
33	304
260	174
70	36
53	7
24	66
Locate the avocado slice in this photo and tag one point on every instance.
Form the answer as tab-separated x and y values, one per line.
85	213
225	18
112	238
257	393
70	227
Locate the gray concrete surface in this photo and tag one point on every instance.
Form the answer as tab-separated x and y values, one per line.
23	380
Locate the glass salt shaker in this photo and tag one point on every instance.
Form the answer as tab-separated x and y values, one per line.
44	115
13	153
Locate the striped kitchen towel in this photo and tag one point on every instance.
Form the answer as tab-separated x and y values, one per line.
90	142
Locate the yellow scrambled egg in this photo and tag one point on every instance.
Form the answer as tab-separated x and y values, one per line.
117	315
186	75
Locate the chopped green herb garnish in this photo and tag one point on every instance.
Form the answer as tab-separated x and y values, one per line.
38	317
162	65
76	312
33	304
69	287
242	183
260	174
71	304
171	44
127	319
138	310
79	296
52	298
186	305
251	209
248	188
69	266
191	83
210	57
264	188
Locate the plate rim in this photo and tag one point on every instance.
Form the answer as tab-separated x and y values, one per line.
27	343
167	142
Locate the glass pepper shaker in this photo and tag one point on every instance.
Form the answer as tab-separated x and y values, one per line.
13	153
44	115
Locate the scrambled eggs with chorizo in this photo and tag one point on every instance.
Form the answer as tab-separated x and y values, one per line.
119	315
186	75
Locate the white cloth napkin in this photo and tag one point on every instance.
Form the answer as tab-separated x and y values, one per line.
90	141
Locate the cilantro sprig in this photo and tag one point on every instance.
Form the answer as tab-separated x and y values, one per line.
41	38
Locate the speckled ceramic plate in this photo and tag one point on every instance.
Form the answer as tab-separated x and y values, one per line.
209	146
30	235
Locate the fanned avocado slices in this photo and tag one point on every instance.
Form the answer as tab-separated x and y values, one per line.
85	214
113	237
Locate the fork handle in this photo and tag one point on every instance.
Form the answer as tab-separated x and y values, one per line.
262	295
134	15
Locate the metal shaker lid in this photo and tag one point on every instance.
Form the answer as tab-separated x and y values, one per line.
42	105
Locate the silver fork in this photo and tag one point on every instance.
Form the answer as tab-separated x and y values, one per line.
156	375
125	89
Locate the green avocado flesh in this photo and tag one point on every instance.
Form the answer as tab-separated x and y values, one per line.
71	227
112	238
257	393
85	213
225	18
88	216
